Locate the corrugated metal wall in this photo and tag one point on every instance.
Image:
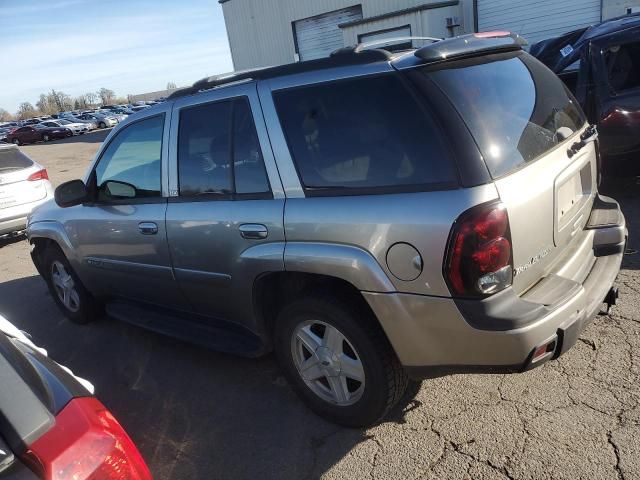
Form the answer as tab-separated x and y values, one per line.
617	8
537	20
260	31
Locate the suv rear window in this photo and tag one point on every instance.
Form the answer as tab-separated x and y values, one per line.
515	107
363	133
12	159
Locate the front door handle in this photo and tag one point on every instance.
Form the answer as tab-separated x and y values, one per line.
253	231
148	228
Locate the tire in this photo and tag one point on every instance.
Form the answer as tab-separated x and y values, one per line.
45	138
80	306
16	141
102	125
362	403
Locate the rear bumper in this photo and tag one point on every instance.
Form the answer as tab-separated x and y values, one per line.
14	219
434	335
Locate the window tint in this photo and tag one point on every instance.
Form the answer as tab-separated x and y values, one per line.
133	157
205	150
362	133
515	107
624	72
250	174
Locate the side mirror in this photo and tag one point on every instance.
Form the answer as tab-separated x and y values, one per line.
71	193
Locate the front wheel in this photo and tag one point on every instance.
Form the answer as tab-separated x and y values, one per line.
45	138
338	360
67	290
103	125
15	141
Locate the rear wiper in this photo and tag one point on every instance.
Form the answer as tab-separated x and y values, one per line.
588	136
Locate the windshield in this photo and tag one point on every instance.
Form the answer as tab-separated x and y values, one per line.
514	106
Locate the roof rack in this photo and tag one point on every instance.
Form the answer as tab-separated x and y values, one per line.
360	47
344	58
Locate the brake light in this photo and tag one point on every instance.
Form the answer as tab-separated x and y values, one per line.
479	258
39	175
86	443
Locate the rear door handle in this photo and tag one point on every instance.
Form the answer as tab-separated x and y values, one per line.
253	231
148	228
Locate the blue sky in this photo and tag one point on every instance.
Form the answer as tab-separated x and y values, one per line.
129	46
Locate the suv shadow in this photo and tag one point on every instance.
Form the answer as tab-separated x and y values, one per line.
192	412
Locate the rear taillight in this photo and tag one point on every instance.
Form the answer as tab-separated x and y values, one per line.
39	175
479	259
86	443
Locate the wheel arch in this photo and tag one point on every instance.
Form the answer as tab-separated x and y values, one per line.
272	291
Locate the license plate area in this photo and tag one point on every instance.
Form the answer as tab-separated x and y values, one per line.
574	191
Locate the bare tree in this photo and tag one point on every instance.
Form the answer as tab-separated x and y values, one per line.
5	116
26	110
92	98
171	85
106	95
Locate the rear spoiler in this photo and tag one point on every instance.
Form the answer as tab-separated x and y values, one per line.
470	45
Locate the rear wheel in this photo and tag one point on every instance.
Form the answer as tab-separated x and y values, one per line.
67	290
338	360
45	138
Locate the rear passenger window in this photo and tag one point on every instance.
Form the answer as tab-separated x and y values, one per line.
209	137
362	133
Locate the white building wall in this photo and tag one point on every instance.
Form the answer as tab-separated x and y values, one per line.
261	34
617	8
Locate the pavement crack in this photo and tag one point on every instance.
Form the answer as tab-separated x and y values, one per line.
589	342
616	452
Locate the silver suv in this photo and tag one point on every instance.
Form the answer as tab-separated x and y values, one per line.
370	217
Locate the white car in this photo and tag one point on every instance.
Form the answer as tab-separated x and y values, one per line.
76	127
24	185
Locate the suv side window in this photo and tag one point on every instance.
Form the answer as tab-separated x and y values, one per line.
133	157
623	67
363	133
209	136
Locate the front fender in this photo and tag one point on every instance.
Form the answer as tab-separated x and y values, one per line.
52	230
349	263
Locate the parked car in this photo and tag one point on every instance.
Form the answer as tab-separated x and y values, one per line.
53	426
452	223
102	121
3	134
113	114
76	128
91	124
24	185
600	64
139	108
36	133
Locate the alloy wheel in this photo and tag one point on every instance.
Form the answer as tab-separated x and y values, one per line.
65	287
327	362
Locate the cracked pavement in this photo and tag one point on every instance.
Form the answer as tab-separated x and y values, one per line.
201	414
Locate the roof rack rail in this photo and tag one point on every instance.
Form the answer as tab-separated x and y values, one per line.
383	41
345	58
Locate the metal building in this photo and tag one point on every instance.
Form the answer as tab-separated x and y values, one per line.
272	32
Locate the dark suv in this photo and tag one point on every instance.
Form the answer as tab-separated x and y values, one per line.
367	216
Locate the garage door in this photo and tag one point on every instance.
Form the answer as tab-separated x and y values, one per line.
318	36
537	20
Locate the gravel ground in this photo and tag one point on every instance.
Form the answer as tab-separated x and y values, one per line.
200	414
